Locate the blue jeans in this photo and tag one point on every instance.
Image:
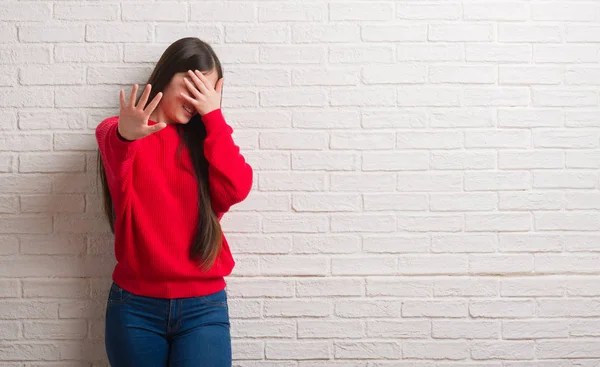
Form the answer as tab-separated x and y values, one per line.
160	332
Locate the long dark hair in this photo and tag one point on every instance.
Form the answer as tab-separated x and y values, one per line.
185	54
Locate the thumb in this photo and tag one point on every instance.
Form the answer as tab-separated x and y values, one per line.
156	127
219	87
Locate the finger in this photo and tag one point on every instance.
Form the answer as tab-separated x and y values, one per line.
192	88
153	103
193	101
144	98
198	82
156	127
204	80
122	98
133	95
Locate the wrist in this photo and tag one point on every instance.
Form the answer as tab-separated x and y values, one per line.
122	138
204	113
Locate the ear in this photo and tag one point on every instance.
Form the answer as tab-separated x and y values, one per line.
219	87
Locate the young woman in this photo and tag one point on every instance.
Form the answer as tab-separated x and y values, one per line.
170	170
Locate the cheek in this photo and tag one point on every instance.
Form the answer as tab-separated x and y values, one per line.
172	100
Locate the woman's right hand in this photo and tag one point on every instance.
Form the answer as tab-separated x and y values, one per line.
133	120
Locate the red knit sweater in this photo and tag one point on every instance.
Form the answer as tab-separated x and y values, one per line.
155	196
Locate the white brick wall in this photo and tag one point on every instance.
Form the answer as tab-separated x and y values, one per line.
426	177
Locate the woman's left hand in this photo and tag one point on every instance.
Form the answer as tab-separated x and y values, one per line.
205	98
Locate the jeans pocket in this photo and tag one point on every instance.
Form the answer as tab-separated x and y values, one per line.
118	295
215	299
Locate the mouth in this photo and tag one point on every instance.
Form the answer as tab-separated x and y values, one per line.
189	110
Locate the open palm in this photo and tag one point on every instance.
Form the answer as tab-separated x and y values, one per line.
133	119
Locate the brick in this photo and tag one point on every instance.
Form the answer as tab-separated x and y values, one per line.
46	33
298	223
364	266
565	53
25	142
330	329
434	309
329	161
279	181
430	52
532	287
325	243
398	329
298	350
548	179
521	33
411	182
465	287
460	32
363	350
25	54
456	243
394	74
428	96
86	53
420	264
530	117
326	202
294	12
285	265
485	52
394	33
496	96
28	12
571	307
445	350
506	180
408	202
47	163
516	138
500	264
400	287
11	351
395	244
392	161
423	11
311	33
467	329
508	350
568	349
56	330
462	74
299	308
26	97
566	264
363	223
106	12
501	308
461	160
118	32
354	11
320	76
330	287
559	11
526	159
462	117
214	11
499	11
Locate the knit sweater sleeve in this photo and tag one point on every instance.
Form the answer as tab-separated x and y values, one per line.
117	153
229	175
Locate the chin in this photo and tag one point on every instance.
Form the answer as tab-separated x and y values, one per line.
181	119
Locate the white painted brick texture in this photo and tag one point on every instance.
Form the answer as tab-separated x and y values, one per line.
426	188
